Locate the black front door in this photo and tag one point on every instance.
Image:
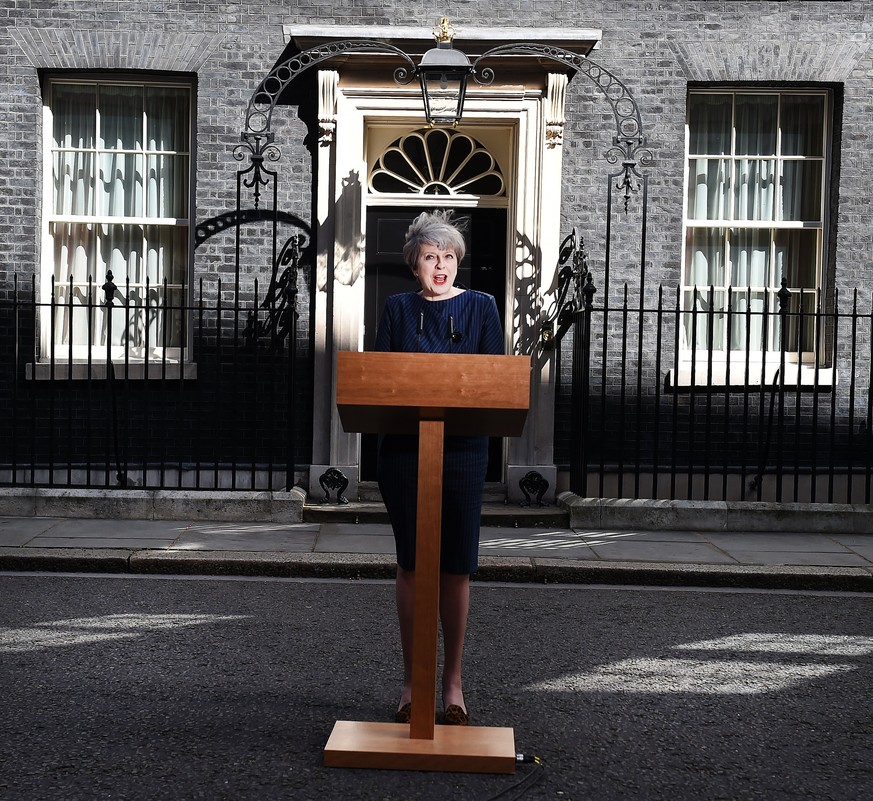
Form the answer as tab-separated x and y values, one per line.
483	268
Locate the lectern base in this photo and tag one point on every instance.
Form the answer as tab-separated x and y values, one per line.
456	749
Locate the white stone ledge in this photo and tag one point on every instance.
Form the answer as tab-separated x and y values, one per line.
126	504
752	516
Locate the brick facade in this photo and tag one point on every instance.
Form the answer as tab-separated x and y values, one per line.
656	49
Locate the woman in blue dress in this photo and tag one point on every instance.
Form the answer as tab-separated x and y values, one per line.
441	317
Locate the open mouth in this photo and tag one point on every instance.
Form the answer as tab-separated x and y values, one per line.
439	279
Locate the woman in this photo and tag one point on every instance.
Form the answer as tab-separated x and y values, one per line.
441	317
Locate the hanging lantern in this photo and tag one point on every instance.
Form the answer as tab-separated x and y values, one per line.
443	72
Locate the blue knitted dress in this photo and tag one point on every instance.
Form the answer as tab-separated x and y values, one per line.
466	323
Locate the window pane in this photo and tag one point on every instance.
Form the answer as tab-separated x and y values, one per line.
120	250
73	251
750	258
800	191
709	124
803	125
706	313
74	115
707	189
121	117
704	262
754	185
796	258
165	315
748	326
166	249
167	187
764	310
800	325
756	125
120	185
167	119
73	179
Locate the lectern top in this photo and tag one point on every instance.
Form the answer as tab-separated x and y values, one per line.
476	394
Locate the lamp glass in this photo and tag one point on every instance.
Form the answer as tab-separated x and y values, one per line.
443	93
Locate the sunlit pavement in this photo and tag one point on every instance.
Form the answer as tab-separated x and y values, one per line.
811	560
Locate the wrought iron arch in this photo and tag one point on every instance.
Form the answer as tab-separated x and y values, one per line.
259	113
628	143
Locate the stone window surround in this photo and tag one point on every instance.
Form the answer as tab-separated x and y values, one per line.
86	50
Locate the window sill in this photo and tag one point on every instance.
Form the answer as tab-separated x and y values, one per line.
97	371
807	377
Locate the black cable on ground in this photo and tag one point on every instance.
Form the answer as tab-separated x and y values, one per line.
526	782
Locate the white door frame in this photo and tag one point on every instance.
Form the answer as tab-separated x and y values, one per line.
533	116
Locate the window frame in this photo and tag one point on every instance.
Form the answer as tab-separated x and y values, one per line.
764	361
51	349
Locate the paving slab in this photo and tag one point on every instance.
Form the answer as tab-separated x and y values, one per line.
830	558
753	541
18	531
354	543
537	553
129	543
210	527
251	538
605	536
369	529
355	538
532	542
77	529
696	553
853	540
865	551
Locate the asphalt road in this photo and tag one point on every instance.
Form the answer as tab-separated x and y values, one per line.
158	688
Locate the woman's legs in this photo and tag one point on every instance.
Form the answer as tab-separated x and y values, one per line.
454	608
405	593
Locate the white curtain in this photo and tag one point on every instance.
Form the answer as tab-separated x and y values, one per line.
765	180
750	277
107	163
705	272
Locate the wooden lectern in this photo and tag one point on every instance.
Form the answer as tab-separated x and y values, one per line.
435	395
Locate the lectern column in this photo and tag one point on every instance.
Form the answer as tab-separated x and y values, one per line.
427	577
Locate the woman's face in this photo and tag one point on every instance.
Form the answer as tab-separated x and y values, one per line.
436	270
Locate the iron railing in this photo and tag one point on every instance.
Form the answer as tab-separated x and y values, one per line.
660	408
640	413
211	404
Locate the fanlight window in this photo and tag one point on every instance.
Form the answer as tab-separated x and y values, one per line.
433	161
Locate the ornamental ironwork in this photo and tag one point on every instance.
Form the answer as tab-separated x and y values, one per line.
259	113
628	144
576	291
334	479
536	484
436	161
280	303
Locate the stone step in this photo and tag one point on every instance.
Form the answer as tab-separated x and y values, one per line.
368	491
493	514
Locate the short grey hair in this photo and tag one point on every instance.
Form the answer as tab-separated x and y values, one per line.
433	228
